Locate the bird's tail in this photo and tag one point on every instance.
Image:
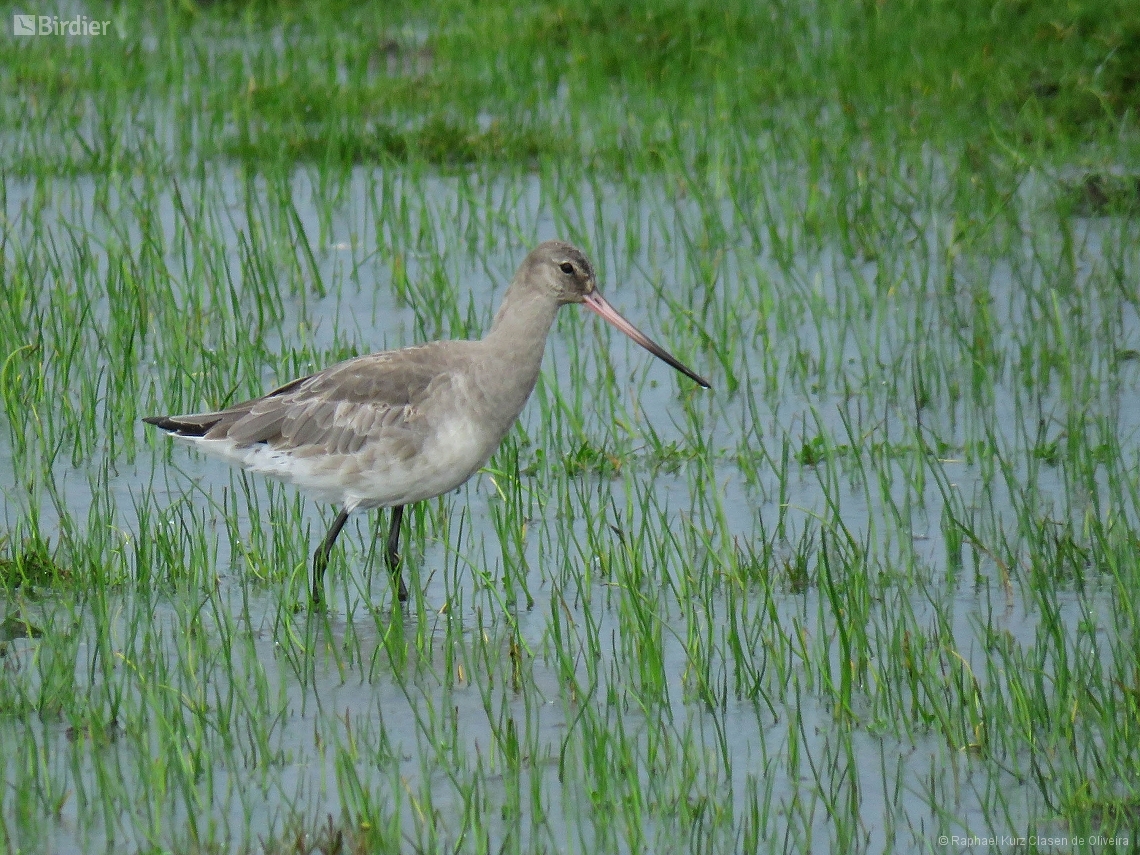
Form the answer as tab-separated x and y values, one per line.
198	424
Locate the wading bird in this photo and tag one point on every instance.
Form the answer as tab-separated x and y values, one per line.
401	426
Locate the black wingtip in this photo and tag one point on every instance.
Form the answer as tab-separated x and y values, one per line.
180	425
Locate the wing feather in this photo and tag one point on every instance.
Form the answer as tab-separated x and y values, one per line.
382	397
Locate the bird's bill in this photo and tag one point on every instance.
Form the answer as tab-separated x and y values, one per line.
595	302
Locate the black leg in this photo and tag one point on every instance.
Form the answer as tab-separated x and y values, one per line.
394	553
321	556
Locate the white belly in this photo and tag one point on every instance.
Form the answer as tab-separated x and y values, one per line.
374	476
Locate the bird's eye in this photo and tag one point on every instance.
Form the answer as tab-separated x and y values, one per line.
566	267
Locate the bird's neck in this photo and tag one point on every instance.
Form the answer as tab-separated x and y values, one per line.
522	324
515	345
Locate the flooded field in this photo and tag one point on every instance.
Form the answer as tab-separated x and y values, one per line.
873	591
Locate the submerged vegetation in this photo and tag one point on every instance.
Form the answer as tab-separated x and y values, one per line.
875	590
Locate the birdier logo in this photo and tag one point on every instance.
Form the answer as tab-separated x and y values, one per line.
53	25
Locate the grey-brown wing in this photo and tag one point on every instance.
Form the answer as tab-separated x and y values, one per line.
217	424
376	397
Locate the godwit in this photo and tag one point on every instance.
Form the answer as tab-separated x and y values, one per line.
402	426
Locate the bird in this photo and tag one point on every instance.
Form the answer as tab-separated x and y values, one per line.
389	429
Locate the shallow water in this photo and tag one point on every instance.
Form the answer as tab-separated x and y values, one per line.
228	709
